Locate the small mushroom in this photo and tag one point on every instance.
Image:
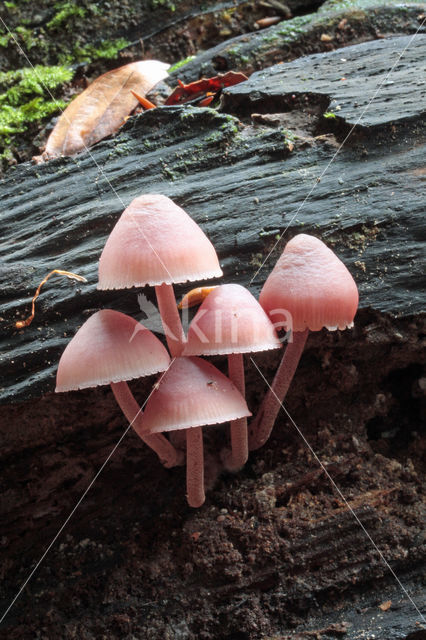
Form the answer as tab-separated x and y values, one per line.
193	393
231	321
110	348
156	243
310	288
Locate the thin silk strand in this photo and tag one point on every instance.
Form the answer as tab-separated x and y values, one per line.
164	449
260	429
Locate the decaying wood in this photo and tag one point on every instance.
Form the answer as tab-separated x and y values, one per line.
275	547
340	23
362	85
243	186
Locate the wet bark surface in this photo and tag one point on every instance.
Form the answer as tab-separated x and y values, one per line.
282	548
332	26
368	206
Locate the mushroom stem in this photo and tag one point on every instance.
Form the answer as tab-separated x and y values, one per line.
170	318
260	429
195	467
169	456
239	440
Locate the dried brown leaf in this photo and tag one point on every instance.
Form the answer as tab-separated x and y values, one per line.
102	108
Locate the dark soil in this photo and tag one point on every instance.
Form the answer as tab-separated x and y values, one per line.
275	547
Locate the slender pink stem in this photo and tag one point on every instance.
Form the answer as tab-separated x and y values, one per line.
260	429
239	440
168	455
170	318
195	467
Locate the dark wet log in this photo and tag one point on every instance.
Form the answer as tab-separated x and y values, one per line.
244	186
384	69
334	25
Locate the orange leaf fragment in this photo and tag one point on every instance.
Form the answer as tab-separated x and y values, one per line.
20	324
385	606
185	92
147	104
194	297
102	108
207	100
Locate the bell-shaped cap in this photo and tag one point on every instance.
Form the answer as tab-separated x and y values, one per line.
192	393
109	347
230	320
155	242
310	288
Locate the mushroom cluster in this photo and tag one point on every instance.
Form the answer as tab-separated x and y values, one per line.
156	243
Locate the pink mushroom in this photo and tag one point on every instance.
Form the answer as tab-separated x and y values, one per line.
156	243
111	348
193	393
311	289
231	321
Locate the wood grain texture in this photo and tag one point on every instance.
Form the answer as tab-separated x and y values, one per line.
365	84
244	187
343	23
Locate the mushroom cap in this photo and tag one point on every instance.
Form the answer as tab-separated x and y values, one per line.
230	320
192	393
313	285
109	347
156	242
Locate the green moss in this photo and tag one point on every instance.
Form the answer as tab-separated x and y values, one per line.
244	59
66	15
329	115
341	5
239	58
214	137
62	38
120	149
22	35
169	173
26	98
16	119
272	37
107	50
181	63
229	128
290	29
166	4
289	136
234	51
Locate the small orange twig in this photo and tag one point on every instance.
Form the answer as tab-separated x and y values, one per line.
147	104
194	297
20	324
